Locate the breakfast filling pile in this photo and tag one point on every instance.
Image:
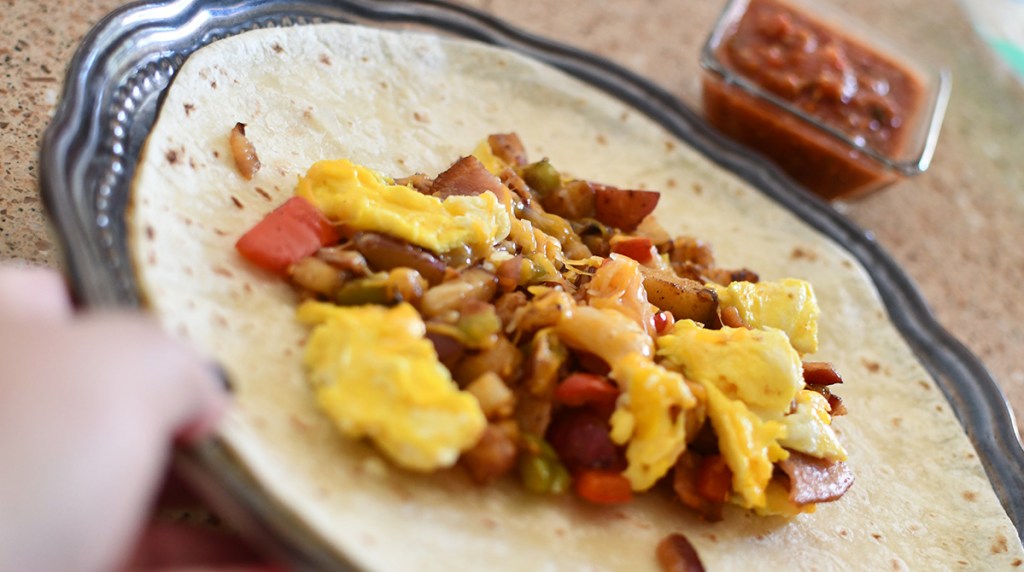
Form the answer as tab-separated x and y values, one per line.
508	318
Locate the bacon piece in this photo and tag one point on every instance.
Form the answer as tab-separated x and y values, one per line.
243	152
508	147
820	373
686	481
676	554
467	177
730	316
813	480
418	181
725	277
835	404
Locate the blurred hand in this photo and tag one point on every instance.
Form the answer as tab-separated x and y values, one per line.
90	406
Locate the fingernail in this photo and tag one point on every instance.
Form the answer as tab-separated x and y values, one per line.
222	375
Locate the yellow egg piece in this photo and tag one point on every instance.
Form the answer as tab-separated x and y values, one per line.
376	376
809	430
749	445
788	305
758	367
483	153
363	199
650	417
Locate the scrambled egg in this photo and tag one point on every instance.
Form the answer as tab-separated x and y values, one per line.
483	153
750	446
788	305
364	199
758	367
809	430
752	378
649	418
376	376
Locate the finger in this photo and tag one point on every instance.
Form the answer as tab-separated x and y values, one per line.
168	545
104	394
33	293
168	383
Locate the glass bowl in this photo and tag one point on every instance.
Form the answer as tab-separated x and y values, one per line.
840	109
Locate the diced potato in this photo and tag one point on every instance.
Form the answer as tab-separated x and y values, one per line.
474	284
503	359
622	208
493	456
686	299
496	400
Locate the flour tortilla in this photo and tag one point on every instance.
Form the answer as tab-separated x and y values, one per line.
406	102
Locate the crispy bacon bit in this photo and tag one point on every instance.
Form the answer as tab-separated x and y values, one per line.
419	181
676	554
508	147
820	373
714	480
467	176
244	153
492	456
836	407
835	404
725	277
731	317
686	482
813	480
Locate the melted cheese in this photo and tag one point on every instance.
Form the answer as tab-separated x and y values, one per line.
376	376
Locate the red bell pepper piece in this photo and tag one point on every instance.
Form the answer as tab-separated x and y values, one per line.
289	233
603	487
579	389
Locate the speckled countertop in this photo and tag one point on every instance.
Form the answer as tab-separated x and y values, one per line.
958	230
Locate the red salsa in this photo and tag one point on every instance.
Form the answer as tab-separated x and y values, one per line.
842	83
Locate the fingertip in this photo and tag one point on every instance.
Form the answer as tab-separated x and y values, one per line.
33	292
171	384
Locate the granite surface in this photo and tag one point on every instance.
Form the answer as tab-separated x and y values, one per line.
957	230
